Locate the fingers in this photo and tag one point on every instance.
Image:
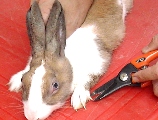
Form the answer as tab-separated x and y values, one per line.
75	12
150	73
155	87
32	1
45	7
153	45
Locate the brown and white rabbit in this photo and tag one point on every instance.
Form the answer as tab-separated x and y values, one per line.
56	71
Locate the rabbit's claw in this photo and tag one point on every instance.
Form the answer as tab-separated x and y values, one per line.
79	97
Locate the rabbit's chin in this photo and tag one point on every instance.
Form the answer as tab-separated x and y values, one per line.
41	112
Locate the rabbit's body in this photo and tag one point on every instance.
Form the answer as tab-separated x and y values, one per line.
54	71
89	48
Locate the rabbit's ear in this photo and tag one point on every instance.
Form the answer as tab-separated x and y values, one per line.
61	33
55	31
36	29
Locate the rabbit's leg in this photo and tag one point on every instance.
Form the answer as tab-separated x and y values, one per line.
15	83
84	56
80	95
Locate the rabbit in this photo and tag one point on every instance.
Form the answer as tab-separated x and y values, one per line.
60	68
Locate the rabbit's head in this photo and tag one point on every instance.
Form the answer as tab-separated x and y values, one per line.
47	85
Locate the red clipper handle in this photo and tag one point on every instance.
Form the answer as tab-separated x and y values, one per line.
145	59
142	62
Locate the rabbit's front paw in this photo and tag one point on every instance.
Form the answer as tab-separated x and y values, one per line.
79	97
15	82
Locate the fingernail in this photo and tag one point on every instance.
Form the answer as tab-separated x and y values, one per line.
145	49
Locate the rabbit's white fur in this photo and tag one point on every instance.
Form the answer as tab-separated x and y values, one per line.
15	81
82	52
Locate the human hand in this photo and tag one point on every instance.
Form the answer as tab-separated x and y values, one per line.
75	12
151	73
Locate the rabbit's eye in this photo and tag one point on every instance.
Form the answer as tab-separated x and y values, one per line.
55	86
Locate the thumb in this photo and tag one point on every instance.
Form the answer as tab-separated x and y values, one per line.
155	87
150	73
153	45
